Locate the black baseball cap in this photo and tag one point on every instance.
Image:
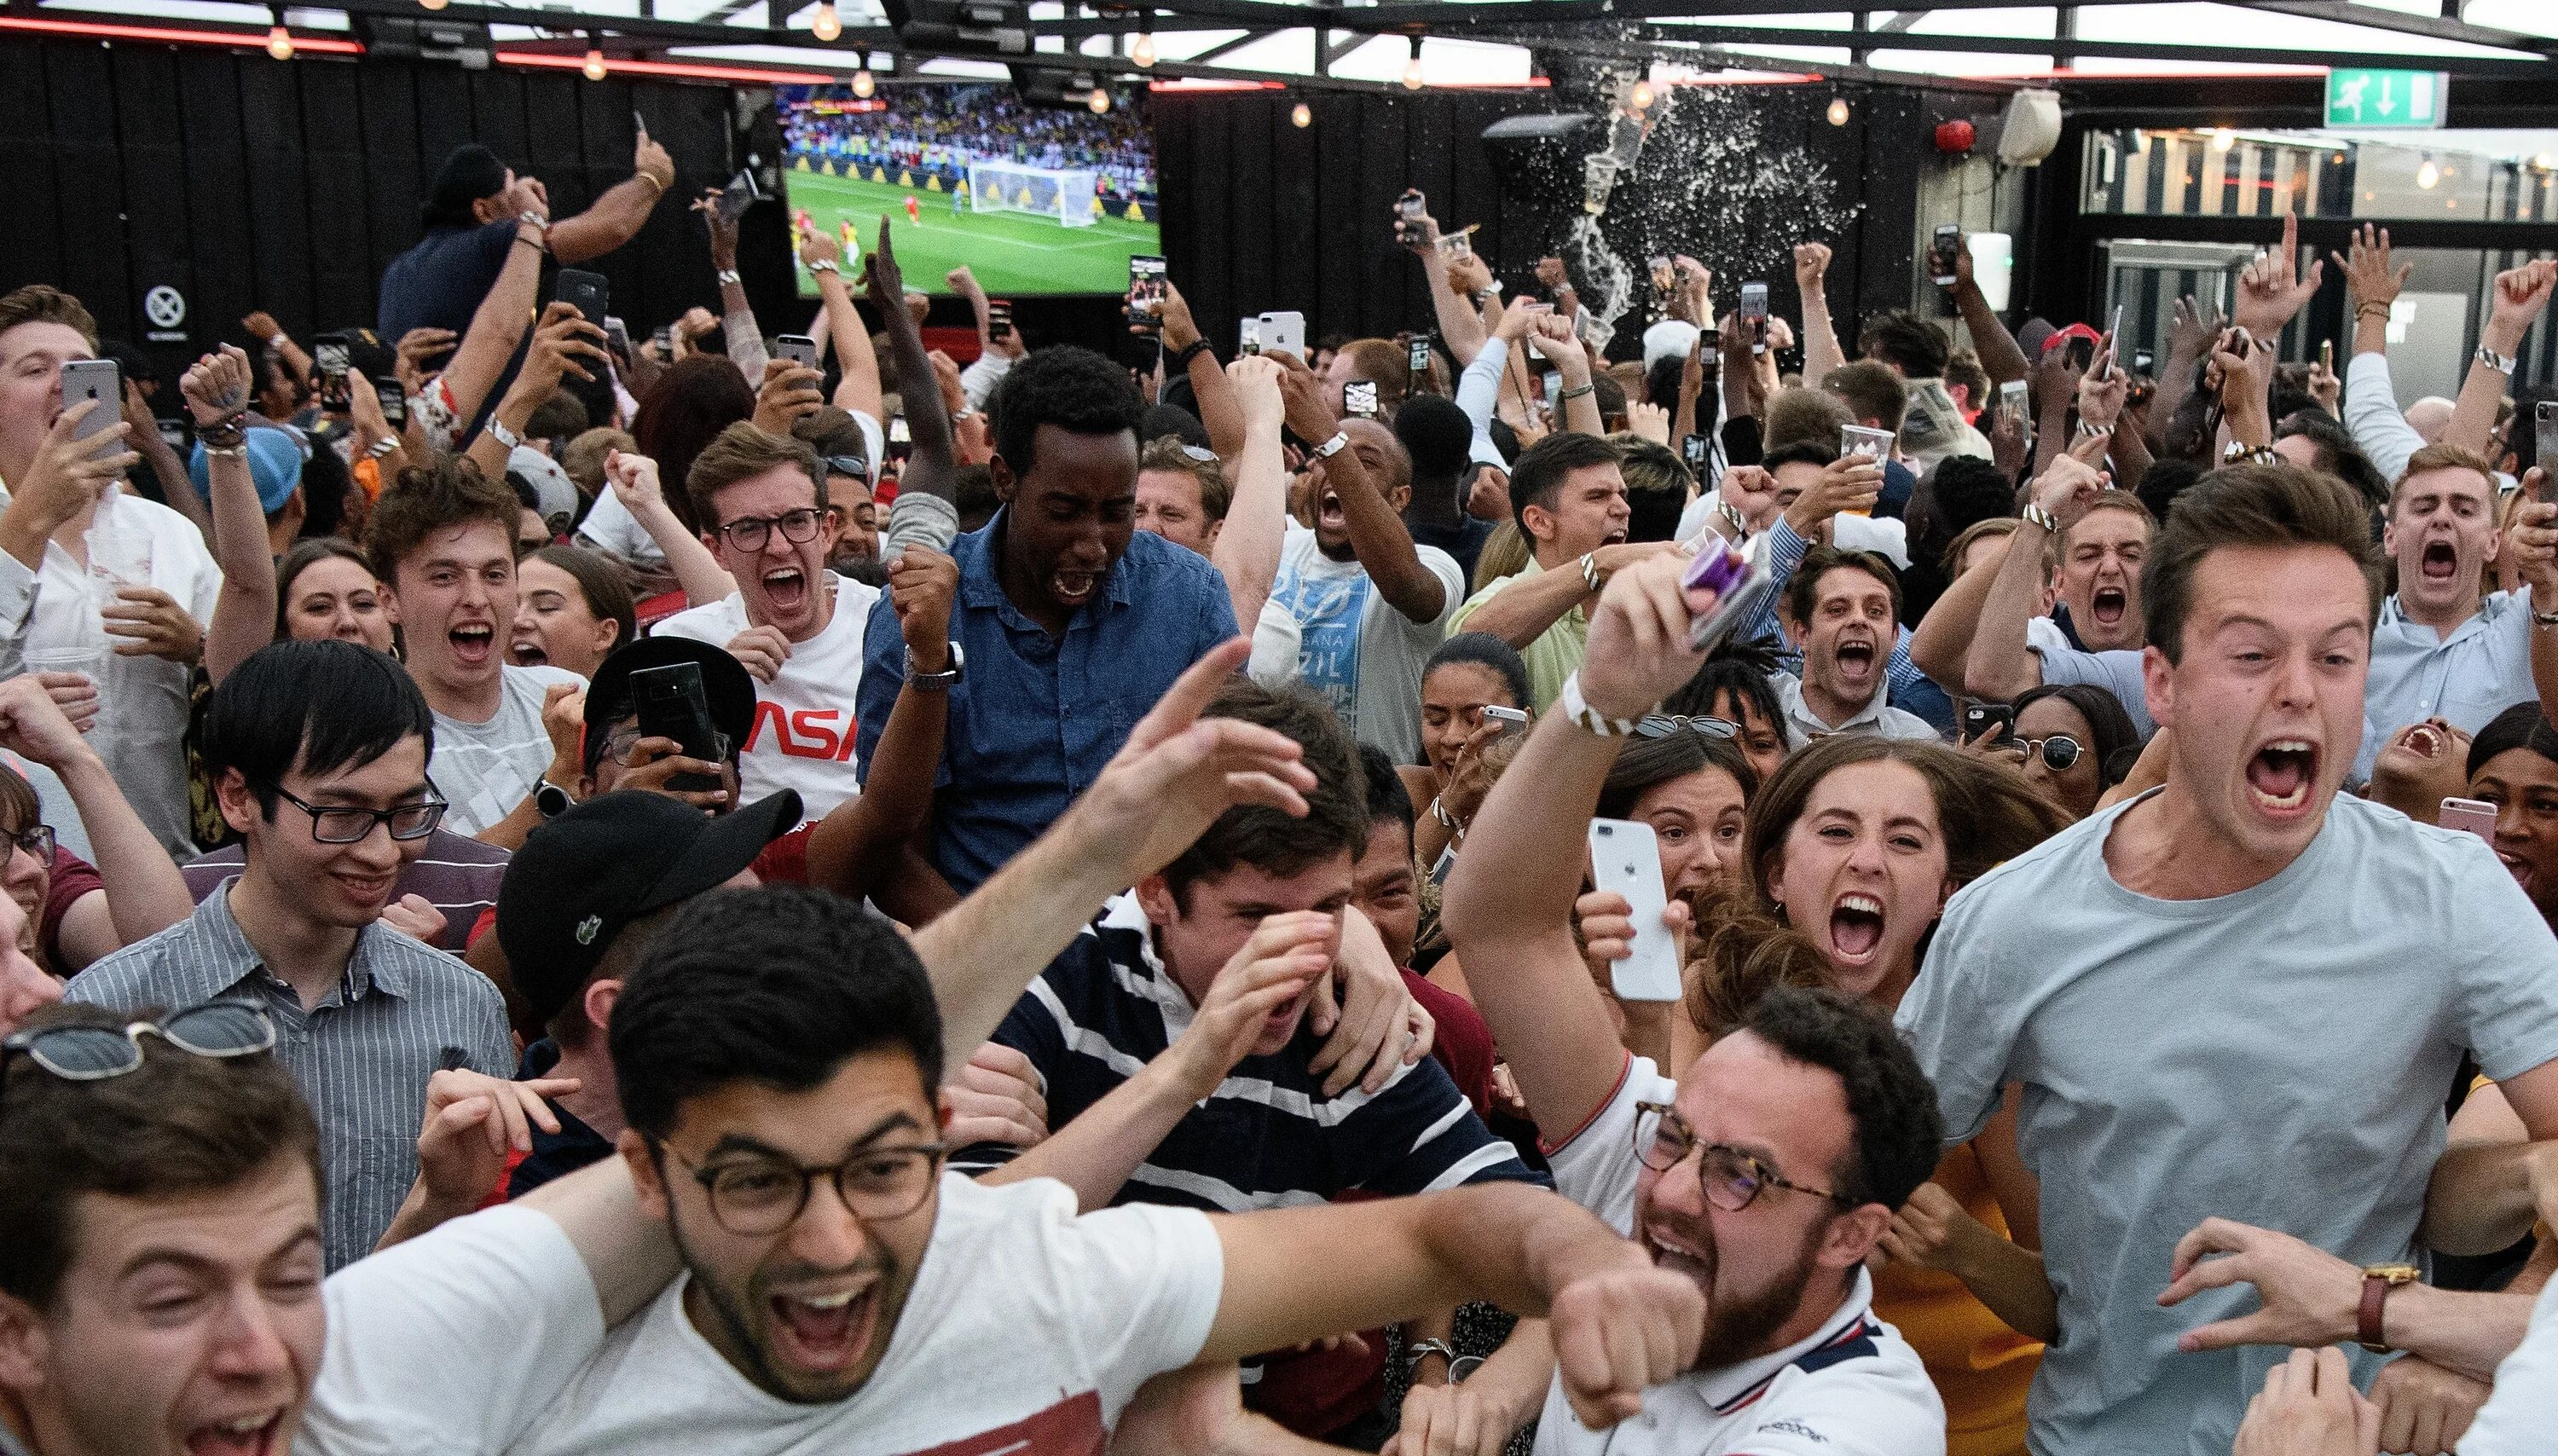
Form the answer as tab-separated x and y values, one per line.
726	686
582	877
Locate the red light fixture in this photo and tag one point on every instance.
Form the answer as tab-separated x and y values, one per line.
1954	138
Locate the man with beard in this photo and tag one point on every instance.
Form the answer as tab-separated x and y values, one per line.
1767	1174
2439	651
778	1055
1069	623
795	625
1843	611
1568	497
1357	606
2335	960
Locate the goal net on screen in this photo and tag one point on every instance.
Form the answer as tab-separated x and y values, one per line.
999	187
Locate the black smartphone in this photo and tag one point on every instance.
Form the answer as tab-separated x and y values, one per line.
1692	450
2143	362
999	319
2544	446
1997	719
673	706
900	441
1359	398
393	400
1408	210
1146	292
1940	254
665	339
617	336
739	193
589	292
2081	354
328	357
798	348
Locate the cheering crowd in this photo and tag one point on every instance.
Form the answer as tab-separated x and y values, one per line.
1442	896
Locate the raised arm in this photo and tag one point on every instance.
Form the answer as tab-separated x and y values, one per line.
745	337
2516	302
2000	665
1580	404
1943	640
1172	778
634	483
564	344
1208	388
1509	904
1459	295
1821	351
498	324
2371	410
619	214
1996	348
859	841
216	389
144	893
859	388
1246	552
1378	537
929	467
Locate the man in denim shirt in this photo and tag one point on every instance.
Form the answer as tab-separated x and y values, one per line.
1069	625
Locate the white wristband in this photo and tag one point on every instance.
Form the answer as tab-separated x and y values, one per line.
1577	710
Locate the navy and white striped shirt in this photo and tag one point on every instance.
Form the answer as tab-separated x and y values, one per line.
1269	1136
400	1014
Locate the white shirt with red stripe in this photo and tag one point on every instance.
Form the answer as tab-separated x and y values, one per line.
802	737
1853	1388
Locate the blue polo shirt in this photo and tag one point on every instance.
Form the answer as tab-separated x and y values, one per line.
439	283
1036	716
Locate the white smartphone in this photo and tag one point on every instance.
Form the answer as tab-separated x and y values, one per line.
1284	333
1625	859
1513	720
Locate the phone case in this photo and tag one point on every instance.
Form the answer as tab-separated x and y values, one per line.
2475	816
1625	859
1741	582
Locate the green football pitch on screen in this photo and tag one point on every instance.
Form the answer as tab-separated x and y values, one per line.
1012	254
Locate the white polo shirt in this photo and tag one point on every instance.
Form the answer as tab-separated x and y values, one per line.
1853	1388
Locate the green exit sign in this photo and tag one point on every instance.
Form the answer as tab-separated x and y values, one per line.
2386	99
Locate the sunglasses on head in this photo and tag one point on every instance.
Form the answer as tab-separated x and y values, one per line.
1662	725
95	1053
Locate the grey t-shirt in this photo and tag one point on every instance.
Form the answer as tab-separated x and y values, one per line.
2116	670
485	769
2277	1056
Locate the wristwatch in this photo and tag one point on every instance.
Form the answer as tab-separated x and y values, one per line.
2035	515
2377	1281
2260	454
498	432
1339	441
2494	360
728	276
2541	618
550	800
939	682
1577	709
1420	1350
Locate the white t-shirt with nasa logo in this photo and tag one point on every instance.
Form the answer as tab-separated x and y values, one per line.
802	737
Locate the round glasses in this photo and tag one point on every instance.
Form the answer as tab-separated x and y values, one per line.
754	1196
1731	1179
748	533
2059	751
96	1053
1662	725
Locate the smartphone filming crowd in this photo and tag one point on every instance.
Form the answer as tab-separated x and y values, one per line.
1491	890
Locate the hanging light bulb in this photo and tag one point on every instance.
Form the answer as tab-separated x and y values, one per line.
595	63
1412	68
1641	97
1303	116
279	42
1839	112
434	4
2223	139
2544	162
1100	101
827	24
1141	50
2426	174
864	83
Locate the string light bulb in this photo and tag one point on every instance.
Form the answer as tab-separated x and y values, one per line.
2426	174
1303	116
864	83
279	42
2223	139
1839	112
434	4
1141	50
1099	100
595	63
1641	97
1412	68
827	24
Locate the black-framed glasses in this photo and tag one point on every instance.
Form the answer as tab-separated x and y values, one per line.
38	842
754	1196
1732	1178
847	465
1662	725
95	1053
2060	752
345	825
748	533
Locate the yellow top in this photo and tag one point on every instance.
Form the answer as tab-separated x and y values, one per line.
1980	1365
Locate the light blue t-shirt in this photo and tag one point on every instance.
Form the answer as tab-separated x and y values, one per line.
2278	1056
